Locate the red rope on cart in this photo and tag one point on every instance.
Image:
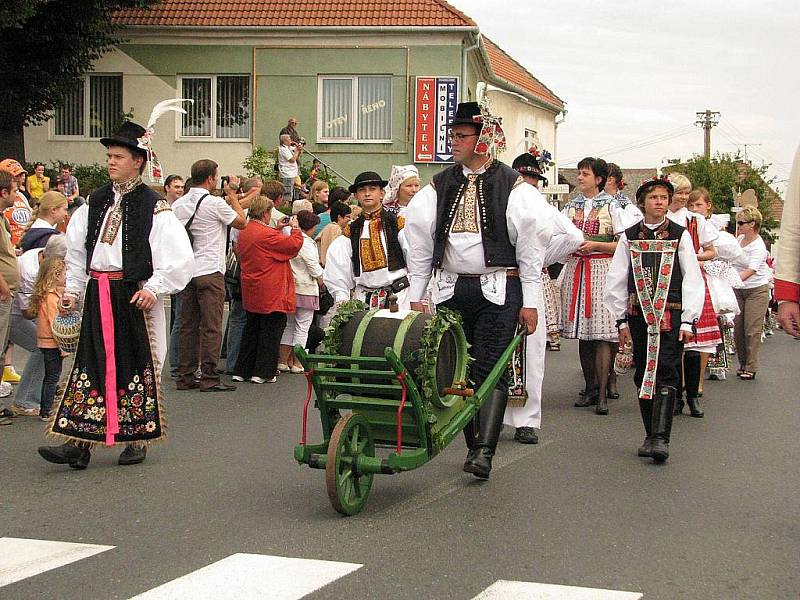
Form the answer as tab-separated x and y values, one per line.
309	376
402	379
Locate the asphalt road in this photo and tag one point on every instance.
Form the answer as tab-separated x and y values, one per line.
719	521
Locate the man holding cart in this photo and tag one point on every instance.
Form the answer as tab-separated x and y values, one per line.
473	231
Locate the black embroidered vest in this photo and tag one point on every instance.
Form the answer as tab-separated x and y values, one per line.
394	251
137	220
493	188
651	260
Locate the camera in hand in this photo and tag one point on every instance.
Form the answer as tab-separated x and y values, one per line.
225	180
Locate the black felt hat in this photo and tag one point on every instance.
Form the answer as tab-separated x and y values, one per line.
127	136
527	164
467	113
651	183
367	178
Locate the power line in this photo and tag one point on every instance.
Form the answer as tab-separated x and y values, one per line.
641	143
707	119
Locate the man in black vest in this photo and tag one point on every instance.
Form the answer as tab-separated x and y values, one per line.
475	228
655	291
125	252
370	257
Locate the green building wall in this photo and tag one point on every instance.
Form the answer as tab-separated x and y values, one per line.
286	84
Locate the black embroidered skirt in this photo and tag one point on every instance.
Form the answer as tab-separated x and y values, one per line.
81	413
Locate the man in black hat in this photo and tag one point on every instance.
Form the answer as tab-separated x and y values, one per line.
126	250
655	292
474	225
370	257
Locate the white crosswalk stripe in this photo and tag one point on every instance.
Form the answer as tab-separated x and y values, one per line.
22	558
243	576
524	590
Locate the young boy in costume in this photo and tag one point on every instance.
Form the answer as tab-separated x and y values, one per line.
655	291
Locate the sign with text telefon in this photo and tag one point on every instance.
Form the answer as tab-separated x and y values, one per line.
435	105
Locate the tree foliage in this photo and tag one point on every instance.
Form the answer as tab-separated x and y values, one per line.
47	46
724	175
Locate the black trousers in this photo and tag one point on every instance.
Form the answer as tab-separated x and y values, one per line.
261	342
489	328
668	369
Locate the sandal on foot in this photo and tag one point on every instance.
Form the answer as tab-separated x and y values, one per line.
747	375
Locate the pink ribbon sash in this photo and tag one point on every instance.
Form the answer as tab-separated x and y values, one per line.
107	321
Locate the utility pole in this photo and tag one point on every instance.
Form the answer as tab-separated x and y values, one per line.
707	119
745	151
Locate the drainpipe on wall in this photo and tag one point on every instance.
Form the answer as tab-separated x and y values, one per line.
464	52
557	122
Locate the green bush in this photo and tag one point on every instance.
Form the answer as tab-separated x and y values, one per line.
261	164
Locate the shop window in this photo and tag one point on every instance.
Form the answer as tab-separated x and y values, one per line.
354	108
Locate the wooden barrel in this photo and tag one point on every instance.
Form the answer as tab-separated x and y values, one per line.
433	348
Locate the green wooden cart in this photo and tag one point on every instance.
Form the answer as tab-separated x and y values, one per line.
394	380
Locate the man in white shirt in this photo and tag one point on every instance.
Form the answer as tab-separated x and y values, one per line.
474	226
202	302
288	169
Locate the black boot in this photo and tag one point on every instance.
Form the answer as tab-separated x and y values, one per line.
469	438
490	423
646	410
133	454
691	373
526	435
587	399
66	454
663	409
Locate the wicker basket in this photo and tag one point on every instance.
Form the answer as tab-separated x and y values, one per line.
67	331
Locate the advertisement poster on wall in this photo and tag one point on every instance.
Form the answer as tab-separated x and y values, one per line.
435	104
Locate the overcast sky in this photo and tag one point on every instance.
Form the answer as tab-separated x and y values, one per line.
630	70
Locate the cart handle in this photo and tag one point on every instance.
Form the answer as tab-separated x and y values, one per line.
402	379
309	377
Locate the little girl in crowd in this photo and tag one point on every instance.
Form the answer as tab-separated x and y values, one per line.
44	304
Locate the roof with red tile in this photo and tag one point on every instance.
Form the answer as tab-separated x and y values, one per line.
508	69
297	13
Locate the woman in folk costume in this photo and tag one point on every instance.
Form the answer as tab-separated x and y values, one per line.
600	217
704	236
787	273
655	293
403	185
526	388
721	278
126	251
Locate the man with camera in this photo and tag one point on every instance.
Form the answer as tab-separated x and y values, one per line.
288	169
202	302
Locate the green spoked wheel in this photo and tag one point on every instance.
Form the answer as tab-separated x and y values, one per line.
348	489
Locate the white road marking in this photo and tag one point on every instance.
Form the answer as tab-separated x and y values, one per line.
22	558
246	576
523	590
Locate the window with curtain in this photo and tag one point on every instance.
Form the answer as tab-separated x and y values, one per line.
221	108
93	108
355	108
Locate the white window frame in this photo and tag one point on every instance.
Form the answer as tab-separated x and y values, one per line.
321	139
213	137
86	108
532	139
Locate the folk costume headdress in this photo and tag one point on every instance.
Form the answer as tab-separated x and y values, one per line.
397	177
651	183
533	162
140	139
491	137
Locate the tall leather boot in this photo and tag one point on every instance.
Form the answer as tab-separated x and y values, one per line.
663	408
490	423
646	410
469	438
69	453
691	373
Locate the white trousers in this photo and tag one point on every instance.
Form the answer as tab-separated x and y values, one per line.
530	415
297	326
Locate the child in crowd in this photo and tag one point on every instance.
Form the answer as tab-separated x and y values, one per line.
44	304
48	218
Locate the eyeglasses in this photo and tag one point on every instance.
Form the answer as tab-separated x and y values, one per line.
740	223
457	137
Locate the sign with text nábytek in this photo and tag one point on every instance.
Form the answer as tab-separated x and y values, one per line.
435	104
